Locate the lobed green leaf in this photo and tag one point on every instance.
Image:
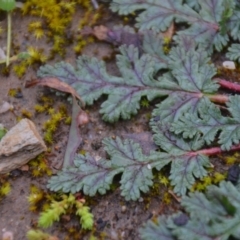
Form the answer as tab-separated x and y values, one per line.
91	176
213	215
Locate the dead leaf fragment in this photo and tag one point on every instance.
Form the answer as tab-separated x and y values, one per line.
55	84
169	32
74	137
100	32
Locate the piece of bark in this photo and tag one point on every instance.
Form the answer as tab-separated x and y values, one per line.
20	144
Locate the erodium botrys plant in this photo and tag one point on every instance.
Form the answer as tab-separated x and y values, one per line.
191	121
188	89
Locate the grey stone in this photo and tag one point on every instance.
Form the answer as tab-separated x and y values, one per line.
20	144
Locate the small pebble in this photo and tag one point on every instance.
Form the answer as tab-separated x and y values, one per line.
5	107
96	145
181	220
101	224
19	95
7	236
114	234
16	173
82	118
97	158
229	65
124	209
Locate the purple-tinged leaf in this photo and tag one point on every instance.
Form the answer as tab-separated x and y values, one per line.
137	175
192	71
208	27
213	215
186	163
87	174
190	79
90	175
156	15
173	107
208	121
153	45
91	80
186	169
234	24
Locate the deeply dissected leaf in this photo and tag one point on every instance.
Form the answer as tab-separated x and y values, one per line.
137	174
147	41
233	24
208	26
213	215
189	80
188	84
207	29
88	175
191	70
234	52
157	15
91	176
127	158
153	45
185	165
91	80
209	121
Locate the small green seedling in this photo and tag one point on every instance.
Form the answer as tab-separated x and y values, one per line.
8	6
2	131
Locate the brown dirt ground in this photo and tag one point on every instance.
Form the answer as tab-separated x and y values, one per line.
108	210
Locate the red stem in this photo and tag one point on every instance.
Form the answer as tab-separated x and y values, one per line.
229	85
214	151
